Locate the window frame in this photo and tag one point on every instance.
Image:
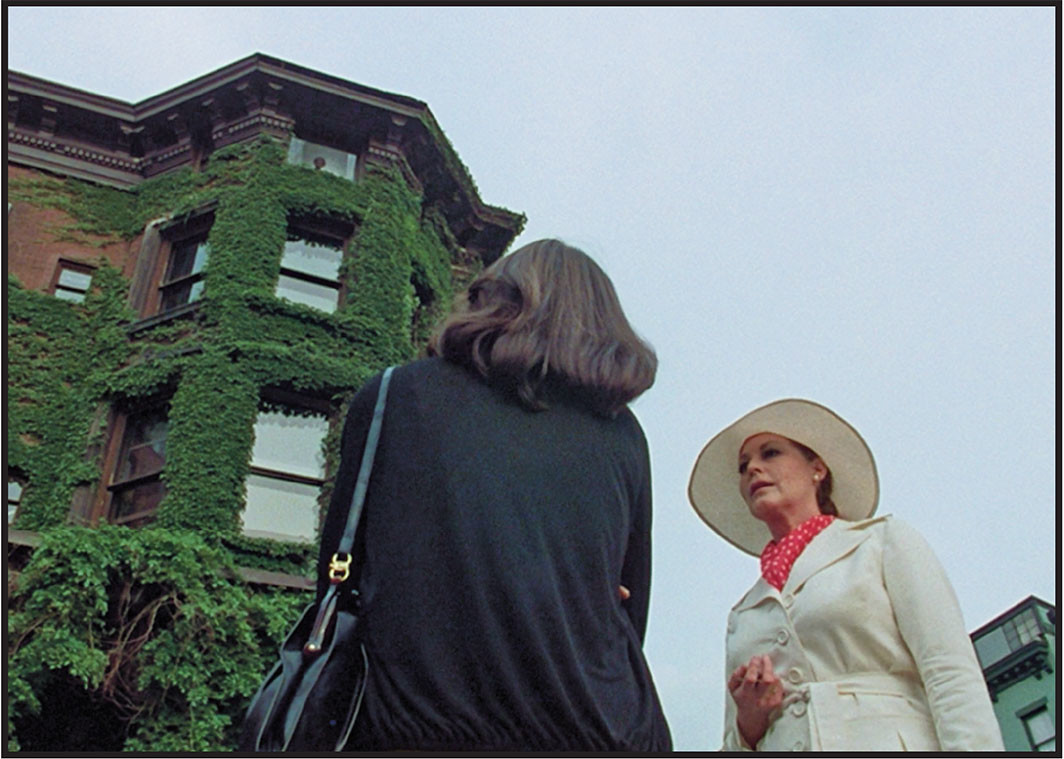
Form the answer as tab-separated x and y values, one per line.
69	264
1027	713
271	398
1019	630
191	279
307	228
14	478
116	451
172	236
351	171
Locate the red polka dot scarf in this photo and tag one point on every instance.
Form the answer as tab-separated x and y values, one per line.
778	558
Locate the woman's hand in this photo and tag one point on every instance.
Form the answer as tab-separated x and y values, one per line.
757	693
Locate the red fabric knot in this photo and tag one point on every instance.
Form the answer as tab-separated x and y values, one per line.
778	557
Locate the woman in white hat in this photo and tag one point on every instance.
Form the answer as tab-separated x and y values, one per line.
852	638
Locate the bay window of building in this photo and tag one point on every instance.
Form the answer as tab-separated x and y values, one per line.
137	457
310	265
287	472
72	280
322	158
1011	635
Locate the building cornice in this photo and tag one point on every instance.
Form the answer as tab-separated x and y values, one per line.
1031	660
81	163
76	133
26	84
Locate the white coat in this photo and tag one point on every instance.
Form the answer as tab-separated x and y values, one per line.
868	639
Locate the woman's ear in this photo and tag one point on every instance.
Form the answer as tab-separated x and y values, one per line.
820	469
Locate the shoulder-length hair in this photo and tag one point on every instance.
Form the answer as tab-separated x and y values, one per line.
547	315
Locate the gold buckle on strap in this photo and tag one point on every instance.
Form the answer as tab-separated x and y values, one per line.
339	569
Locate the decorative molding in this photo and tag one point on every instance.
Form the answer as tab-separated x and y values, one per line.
56	161
269	121
387	156
1030	660
19	137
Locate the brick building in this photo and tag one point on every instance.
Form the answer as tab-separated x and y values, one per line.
197	284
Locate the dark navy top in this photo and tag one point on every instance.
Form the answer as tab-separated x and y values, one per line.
492	545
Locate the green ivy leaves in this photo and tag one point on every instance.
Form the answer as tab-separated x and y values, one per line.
150	620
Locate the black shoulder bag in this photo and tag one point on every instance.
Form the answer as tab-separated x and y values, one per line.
310	699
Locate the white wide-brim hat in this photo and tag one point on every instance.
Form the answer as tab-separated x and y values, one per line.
714	486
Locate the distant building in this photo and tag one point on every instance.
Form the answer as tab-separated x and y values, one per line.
1018	653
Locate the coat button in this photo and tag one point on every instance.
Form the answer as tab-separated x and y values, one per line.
798	746
798	708
788	601
782	637
794	675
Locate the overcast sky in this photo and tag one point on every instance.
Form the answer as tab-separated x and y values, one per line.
851	205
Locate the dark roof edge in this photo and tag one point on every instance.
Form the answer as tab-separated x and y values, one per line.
253	62
282	70
18	81
1010	612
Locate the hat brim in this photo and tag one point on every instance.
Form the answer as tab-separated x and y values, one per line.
714	486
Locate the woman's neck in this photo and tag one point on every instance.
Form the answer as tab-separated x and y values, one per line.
784	520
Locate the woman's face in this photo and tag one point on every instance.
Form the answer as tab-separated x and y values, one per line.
775	477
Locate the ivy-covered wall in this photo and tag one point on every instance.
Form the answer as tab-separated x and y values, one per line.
152	623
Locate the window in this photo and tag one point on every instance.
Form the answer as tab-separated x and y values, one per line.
1040	730
183	281
310	269
422	298
135	489
1012	635
991	647
14	498
331	160
287	472
72	281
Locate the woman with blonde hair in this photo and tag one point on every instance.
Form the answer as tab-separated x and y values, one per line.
509	501
852	638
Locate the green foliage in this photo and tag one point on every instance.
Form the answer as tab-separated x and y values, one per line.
59	355
272	555
150	622
212	416
69	360
102	214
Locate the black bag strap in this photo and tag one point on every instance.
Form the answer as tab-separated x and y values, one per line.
347	540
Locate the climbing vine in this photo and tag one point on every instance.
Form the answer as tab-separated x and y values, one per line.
152	621
58	356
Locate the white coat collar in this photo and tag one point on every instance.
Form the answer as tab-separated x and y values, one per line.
837	540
